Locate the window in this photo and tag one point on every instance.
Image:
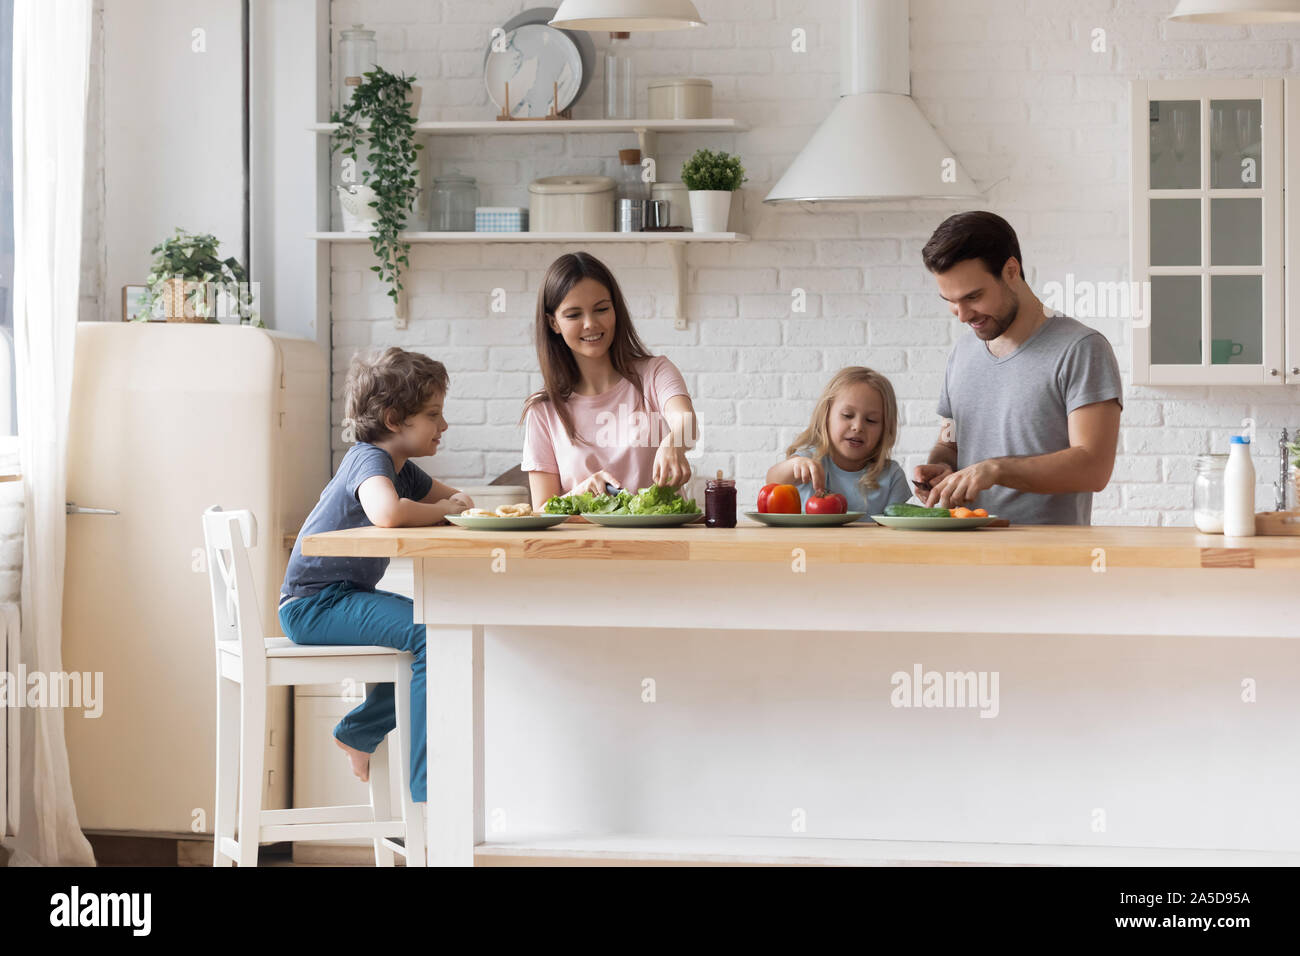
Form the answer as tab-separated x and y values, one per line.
8	406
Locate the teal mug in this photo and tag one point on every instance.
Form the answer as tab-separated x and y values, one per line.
1223	351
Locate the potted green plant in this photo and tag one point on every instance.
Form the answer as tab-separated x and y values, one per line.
381	115
187	276
711	178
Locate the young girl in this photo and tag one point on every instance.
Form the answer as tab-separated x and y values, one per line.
394	406
846	446
608	411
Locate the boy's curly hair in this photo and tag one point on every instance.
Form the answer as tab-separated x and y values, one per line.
395	381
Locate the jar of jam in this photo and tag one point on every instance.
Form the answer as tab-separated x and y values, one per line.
720	502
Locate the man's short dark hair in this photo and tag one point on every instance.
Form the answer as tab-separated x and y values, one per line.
981	235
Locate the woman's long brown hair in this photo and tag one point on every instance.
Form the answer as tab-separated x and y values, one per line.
818	432
555	358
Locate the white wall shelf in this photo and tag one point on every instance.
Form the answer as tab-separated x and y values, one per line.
653	237
477	127
647	130
675	241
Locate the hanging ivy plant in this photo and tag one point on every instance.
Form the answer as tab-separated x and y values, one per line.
377	119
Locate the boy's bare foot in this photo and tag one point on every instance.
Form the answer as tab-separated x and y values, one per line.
359	759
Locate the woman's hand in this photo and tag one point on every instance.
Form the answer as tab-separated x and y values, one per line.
594	484
671	469
808	472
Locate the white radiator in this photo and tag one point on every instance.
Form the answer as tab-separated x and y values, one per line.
10	742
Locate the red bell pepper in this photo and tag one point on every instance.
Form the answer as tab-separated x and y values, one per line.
779	499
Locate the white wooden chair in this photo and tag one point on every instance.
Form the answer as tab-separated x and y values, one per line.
247	664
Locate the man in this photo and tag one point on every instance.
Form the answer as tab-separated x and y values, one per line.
1031	402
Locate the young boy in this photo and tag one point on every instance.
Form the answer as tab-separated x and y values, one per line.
394	411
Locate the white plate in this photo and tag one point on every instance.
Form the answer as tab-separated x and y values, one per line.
535	57
586	48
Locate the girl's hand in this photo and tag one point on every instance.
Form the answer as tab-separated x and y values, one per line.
671	469
594	484
463	500
809	472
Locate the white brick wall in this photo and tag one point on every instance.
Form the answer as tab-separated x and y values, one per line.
1013	88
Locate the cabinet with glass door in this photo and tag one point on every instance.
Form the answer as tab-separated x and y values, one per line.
1208	233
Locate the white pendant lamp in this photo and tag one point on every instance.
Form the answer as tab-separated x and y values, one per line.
1237	11
626	15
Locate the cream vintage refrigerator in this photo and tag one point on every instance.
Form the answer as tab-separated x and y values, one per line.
166	420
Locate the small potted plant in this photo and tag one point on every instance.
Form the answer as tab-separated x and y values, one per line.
381	114
187	277
711	178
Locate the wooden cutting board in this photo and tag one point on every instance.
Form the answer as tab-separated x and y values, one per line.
1277	522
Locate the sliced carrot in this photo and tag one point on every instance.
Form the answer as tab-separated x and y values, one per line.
962	513
981	513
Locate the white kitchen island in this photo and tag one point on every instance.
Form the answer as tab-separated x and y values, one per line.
734	696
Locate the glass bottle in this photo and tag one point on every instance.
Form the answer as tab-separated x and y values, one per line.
357	54
630	183
1207	493
619	91
720	502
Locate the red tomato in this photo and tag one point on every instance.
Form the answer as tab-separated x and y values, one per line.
833	504
779	499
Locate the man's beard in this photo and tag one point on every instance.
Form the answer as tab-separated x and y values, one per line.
997	324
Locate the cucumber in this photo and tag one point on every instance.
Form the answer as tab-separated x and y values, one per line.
914	511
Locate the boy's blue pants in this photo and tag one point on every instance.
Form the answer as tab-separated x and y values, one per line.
342	613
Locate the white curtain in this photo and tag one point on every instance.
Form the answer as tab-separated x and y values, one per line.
51	67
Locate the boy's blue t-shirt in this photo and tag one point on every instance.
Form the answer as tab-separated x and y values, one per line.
338	509
893	486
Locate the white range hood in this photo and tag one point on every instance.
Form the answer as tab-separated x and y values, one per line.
876	144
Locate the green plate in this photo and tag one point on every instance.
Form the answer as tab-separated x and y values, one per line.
643	521
522	523
804	521
933	524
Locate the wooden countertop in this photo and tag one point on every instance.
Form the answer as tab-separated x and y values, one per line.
1041	545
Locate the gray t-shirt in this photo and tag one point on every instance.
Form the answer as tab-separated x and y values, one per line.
892	486
1017	406
339	508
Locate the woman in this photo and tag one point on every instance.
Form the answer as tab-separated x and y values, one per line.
608	412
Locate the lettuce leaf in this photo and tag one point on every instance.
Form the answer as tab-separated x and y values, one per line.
654	500
660	500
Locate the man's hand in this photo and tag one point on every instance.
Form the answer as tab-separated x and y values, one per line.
962	487
925	476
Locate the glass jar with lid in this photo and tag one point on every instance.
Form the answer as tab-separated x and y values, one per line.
452	206
1207	493
720	502
357	54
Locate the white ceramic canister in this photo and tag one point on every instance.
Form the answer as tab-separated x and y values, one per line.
1239	490
571	204
679	205
680	97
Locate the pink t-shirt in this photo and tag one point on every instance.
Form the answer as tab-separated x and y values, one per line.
619	437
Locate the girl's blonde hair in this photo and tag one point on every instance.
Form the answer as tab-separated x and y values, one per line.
396	380
818	434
